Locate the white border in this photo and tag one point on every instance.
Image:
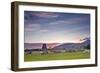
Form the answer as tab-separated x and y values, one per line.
23	64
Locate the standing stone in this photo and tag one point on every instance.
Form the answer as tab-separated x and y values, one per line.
44	49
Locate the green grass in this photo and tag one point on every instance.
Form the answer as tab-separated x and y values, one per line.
57	56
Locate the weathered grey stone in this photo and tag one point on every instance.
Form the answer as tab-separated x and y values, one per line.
44	49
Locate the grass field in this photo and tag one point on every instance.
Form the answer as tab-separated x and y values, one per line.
57	56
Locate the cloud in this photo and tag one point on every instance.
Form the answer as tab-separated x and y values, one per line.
68	21
46	15
34	28
43	30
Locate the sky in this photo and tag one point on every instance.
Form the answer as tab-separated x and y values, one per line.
55	27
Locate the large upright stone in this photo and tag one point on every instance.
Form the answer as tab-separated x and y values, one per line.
44	49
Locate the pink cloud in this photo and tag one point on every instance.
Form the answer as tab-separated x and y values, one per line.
32	27
46	15
68	21
43	30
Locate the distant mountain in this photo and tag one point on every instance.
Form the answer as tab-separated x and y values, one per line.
32	45
59	46
39	45
71	46
86	42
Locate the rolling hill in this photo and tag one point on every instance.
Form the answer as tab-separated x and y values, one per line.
72	46
39	45
58	45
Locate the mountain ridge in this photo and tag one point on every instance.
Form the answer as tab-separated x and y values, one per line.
57	45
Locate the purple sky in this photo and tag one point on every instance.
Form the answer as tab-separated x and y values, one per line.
50	27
